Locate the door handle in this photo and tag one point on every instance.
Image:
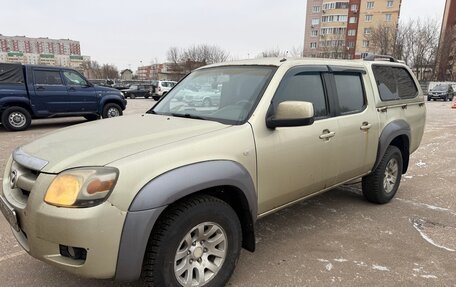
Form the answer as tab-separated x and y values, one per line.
40	88
365	126
326	135
71	89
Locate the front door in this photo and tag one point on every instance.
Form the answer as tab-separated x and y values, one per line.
82	97
294	162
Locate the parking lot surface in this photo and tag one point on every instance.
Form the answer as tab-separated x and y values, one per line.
334	239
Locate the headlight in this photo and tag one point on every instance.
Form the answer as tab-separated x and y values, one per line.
122	94
81	187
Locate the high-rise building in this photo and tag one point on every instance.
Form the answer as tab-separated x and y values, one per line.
341	29
41	51
447	39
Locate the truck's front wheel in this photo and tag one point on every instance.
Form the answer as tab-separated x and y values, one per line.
16	119
111	110
196	243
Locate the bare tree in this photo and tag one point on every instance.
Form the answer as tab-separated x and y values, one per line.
174	55
93	70
109	72
422	42
271	53
385	39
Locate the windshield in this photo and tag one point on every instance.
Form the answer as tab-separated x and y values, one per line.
440	88
133	87
223	94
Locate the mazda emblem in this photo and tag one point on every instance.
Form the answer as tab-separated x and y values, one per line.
13	178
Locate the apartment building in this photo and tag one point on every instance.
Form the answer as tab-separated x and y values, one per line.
341	29
447	36
41	51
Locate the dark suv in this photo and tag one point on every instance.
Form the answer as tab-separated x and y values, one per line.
138	91
441	91
32	92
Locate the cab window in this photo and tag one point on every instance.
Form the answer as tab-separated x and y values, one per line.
303	86
74	79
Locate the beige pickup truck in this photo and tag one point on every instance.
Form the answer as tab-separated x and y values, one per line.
172	195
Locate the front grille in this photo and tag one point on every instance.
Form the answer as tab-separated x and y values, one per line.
22	179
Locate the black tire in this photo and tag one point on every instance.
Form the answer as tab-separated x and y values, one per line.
111	110
156	98
146	96
168	237
428	98
16	119
91	117
374	183
132	96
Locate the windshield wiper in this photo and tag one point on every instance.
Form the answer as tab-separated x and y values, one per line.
189	116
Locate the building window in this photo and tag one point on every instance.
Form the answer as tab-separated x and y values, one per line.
315	21
365	43
354	8
369	18
316	9
313	45
334	18
367	30
351	45
352	20
370	5
389	4
314	33
352	32
364	55
388	17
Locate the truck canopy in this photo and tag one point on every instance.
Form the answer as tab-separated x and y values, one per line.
11	74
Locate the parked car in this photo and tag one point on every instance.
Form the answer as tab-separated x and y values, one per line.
33	92
441	91
135	91
174	199
162	88
205	96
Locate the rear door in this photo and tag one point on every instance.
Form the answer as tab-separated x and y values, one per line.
51	94
82	96
358	124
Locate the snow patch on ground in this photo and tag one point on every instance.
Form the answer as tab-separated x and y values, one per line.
380	268
428	276
340	260
418	225
329	266
421	164
433	207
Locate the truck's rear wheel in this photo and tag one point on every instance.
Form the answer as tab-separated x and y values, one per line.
381	185
111	110
196	243
16	119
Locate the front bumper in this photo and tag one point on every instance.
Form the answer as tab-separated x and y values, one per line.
44	229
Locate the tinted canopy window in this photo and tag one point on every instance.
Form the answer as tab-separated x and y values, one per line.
394	83
11	74
303	87
47	77
350	93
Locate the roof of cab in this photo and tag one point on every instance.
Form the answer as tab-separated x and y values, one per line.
299	61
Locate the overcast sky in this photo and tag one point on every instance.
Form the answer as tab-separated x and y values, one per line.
126	33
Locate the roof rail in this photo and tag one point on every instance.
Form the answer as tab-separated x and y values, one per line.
373	57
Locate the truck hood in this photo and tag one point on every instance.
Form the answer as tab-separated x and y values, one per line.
100	142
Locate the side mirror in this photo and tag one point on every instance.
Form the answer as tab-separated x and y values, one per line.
291	114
